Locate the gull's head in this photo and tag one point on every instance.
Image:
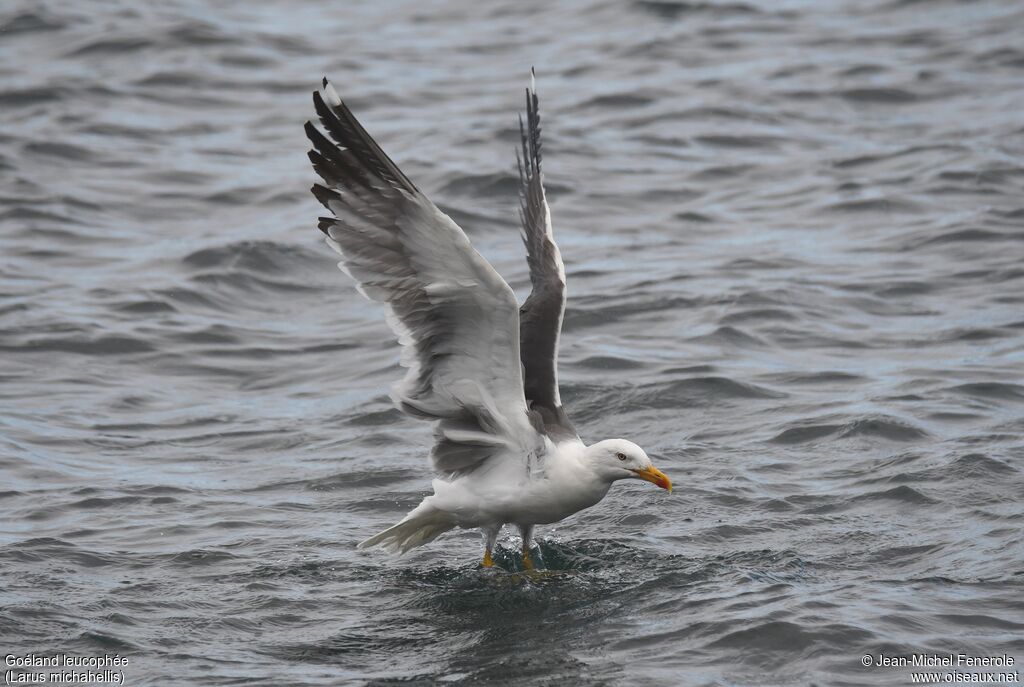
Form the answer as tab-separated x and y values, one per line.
617	459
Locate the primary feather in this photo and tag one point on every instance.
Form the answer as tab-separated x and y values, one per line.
456	318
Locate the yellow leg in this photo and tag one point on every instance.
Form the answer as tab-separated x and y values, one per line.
488	561
527	561
526	531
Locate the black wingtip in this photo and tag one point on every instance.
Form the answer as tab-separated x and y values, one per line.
312	134
325	195
324	82
319	105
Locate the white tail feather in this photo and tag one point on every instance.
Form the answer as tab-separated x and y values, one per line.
424	524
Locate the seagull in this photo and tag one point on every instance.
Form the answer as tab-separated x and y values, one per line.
479	366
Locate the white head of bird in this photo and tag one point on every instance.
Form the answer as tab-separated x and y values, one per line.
616	459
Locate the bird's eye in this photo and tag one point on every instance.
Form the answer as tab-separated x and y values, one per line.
621	456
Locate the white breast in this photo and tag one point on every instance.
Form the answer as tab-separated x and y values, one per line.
504	493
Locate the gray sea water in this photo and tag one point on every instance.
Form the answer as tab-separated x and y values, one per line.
793	233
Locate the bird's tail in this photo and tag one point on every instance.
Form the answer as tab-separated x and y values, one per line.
424	524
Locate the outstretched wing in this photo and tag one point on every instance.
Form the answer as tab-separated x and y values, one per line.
540	318
454	315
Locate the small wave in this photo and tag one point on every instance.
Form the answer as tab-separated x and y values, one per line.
188	298
251	283
900	556
608	362
618	100
884	428
199	33
172	79
144	307
723	172
348	646
579	316
885	96
989	175
693	217
1003	391
95	502
286	43
730	336
901	494
725	533
775	642
667	9
104	345
585	555
214	334
247	60
348	481
975	334
804	434
980	465
873	205
972	466
111	46
1011	215
36	216
1003	57
758	314
49	550
239	196
979	620
28	96
881	427
733	112
198	557
30	22
899	289
772	297
99	641
863	70
825	377
963	236
252	265
495	184
63	151
946	416
699	390
725	141
862	160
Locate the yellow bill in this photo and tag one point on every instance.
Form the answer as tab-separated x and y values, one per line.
655	476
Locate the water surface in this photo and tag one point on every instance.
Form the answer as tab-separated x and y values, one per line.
793	233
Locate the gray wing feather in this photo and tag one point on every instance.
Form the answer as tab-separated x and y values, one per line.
540	317
454	315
